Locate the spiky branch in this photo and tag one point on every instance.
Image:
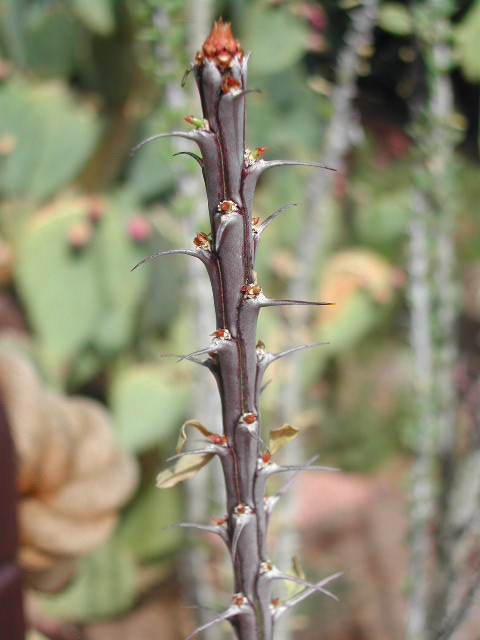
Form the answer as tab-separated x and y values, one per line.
237	361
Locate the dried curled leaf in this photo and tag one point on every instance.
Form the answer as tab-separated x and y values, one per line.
281	436
182	438
183	469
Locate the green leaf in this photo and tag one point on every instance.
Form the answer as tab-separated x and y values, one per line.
466	37
104	586
143	525
96	15
51	138
277	37
148	404
395	18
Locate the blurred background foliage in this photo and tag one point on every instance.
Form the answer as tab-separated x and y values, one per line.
82	82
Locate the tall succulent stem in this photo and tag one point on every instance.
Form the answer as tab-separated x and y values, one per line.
237	361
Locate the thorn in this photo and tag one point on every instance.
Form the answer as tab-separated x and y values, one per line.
261	228
210	349
185	76
280	575
281	354
231	612
240	524
211	450
187	252
198	159
304	594
217	529
298	467
189	135
263	388
241	94
282	303
270	164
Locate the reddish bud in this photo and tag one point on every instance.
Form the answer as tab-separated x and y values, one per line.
266	457
79	235
245	288
198	123
238	599
256	290
139	229
255	221
258	153
221	522
216	439
201	241
220	47
230	85
249	418
96	211
275	602
227	206
260	345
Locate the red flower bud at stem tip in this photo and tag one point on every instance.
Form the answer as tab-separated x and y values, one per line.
249	418
260	345
230	85
198	123
266	457
139	229
220	47
275	602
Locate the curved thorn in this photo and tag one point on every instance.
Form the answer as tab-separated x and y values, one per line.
263	388
187	252
279	575
258	438
185	76
198	159
272	501
201	527
283	303
210	349
241	94
270	164
281	354
231	612
297	467
261	228
291	480
172	134
239	527
212	451
305	594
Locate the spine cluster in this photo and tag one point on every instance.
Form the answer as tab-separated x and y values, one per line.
236	359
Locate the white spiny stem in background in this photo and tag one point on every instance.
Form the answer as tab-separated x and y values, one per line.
343	132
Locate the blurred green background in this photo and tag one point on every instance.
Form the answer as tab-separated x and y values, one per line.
82	82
